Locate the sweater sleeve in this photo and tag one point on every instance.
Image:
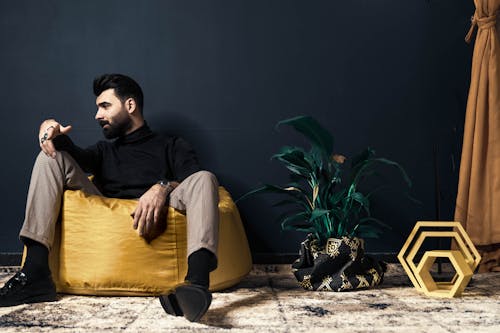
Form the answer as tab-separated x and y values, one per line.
185	162
88	159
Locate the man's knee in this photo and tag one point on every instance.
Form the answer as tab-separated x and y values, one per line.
62	164
206	177
43	159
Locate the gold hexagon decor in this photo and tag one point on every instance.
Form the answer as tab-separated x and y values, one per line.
447	289
464	259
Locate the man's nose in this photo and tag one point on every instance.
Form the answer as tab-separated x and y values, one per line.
98	115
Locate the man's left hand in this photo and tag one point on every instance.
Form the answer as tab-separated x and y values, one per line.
150	214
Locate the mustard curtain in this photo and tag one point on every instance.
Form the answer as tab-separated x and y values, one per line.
478	197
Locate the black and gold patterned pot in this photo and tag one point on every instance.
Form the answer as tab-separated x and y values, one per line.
339	265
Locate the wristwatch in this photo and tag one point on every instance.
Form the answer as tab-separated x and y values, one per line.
166	184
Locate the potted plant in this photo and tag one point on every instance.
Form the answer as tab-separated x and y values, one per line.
325	200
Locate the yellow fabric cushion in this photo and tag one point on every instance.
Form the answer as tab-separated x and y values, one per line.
97	251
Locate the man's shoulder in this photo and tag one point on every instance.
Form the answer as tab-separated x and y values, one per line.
103	143
168	138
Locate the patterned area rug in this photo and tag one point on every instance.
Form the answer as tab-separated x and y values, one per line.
269	300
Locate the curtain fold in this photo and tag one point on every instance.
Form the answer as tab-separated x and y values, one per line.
478	197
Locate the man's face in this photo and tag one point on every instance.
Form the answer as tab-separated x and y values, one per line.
112	115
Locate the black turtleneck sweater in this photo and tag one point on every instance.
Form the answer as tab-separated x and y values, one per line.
130	165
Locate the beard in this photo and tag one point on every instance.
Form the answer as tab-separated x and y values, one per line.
116	129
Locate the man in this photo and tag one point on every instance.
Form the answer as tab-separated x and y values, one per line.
158	170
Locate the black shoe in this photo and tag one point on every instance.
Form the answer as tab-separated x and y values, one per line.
189	300
19	290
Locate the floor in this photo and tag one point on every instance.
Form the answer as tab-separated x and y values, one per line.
269	300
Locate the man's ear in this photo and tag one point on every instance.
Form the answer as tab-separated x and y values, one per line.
130	105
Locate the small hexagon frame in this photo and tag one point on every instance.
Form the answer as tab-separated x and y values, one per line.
458	284
411	247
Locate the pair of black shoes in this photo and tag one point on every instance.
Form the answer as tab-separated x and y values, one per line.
189	300
21	289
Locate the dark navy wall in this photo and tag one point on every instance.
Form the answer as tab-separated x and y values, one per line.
391	74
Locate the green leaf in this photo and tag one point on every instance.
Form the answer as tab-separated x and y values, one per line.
295	192
363	167
281	217
294	156
298	170
320	138
290	221
412	199
336	197
375	190
359	170
367	234
317	213
362	200
288	202
298	227
366	231
308	230
398	166
362	157
317	155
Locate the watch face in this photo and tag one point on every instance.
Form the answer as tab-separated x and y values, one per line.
164	183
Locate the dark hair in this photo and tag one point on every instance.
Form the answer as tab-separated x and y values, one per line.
124	86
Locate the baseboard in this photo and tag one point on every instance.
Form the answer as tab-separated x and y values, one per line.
274	258
288	258
10	259
14	259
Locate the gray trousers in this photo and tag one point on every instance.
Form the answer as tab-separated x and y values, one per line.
197	195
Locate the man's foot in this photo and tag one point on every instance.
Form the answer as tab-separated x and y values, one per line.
20	289
189	300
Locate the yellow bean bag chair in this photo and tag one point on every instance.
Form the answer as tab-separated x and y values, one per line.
97	251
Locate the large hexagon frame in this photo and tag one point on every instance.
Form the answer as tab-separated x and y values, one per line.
417	237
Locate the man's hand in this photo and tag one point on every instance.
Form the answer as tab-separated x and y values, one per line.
150	215
49	129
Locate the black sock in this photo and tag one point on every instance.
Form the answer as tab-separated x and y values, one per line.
200	264
36	264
